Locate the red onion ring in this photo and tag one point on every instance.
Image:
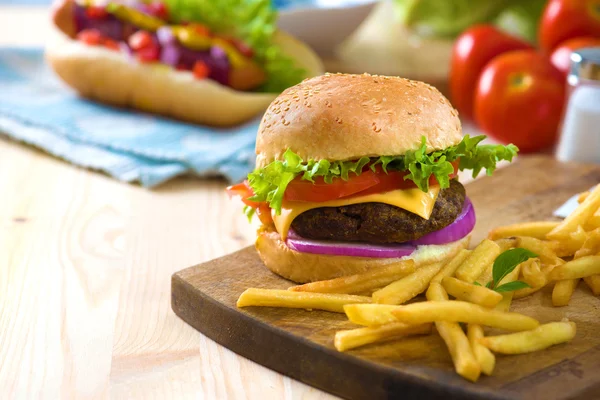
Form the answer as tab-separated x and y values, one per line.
461	227
302	245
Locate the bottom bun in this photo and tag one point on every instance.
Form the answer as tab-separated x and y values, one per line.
308	267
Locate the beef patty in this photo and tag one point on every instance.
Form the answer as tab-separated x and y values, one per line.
378	222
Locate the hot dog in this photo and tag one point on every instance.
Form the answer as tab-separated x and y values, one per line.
142	57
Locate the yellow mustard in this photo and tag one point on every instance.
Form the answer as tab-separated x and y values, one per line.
137	18
188	37
236	59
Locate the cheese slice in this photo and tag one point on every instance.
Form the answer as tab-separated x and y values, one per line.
413	200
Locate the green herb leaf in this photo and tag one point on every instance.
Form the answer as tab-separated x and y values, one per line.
252	21
510	286
489	285
506	262
269	183
476	283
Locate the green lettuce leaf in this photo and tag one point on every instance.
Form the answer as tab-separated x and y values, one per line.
249	212
254	22
269	183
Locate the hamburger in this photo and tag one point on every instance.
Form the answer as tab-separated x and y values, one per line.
358	171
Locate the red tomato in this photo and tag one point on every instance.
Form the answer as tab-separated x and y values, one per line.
148	54
368	182
244	191
264	214
394	180
561	56
302	190
90	37
566	19
159	10
472	51
111	44
200	29
519	99
95	12
242	47
141	40
201	70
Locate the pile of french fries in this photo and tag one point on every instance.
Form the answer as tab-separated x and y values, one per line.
567	252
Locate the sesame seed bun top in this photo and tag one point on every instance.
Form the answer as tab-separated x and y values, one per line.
344	117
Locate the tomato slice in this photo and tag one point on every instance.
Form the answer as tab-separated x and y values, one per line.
244	191
369	182
394	180
319	191
91	37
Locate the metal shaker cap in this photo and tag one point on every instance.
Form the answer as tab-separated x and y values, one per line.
585	65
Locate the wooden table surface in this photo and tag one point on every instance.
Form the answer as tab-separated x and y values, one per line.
85	267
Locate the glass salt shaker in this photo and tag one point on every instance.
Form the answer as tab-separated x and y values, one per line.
580	130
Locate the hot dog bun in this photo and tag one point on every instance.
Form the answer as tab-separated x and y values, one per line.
111	77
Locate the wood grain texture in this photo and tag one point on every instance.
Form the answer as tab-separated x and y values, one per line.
85	267
299	343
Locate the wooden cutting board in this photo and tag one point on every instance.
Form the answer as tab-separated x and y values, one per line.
299	343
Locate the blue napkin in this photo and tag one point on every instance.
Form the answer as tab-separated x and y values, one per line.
38	109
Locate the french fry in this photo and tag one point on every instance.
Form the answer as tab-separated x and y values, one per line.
577	268
408	287
519	294
465	363
483	355
569	245
591	246
353	338
370	314
450	267
542	248
486	275
473	294
594	221
532	273
593	283
536	339
506	243
538	230
482	256
507	297
285	298
578	217
562	292
582	196
436	292
373	279
461	311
